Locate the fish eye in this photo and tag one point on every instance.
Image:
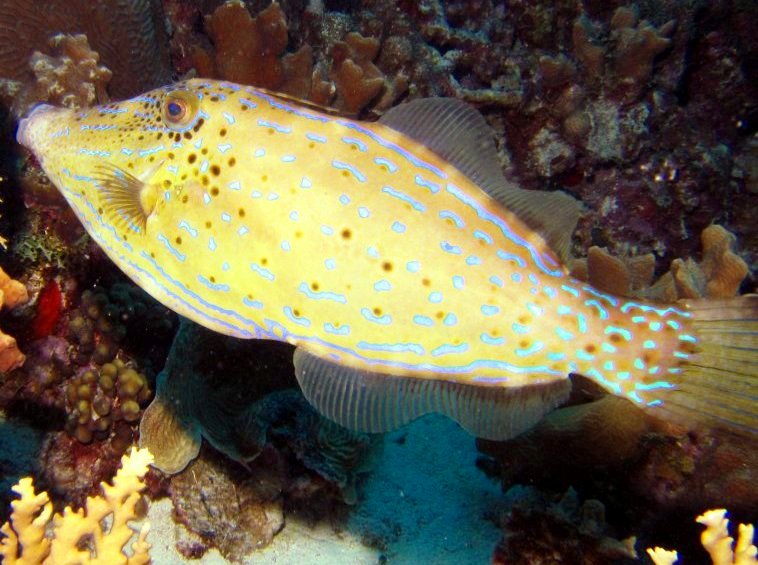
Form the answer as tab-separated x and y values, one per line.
180	109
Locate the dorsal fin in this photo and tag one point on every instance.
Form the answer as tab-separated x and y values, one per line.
374	402
460	135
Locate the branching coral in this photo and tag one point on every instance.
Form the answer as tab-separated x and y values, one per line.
12	293
80	536
717	542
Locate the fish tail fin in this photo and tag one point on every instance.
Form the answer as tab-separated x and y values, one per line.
716	384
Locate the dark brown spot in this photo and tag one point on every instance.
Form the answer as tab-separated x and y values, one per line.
232	161
264	261
377	311
184	199
178	240
212	279
191	158
346	234
241	212
314	286
296	312
387	266
615	338
187	135
215	170
222	132
590	348
214	191
204	151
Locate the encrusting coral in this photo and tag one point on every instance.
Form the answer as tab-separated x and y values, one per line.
717	542
79	536
12	293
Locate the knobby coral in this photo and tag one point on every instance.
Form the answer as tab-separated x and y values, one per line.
79	536
717	542
12	293
72	77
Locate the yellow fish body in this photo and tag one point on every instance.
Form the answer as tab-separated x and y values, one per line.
392	254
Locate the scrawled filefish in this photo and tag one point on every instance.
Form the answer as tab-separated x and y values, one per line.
410	274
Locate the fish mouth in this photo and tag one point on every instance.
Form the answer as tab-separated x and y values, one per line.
26	127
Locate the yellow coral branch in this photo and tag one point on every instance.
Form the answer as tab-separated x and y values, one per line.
717	542
32	513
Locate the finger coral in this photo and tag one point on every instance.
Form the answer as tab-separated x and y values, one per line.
717	542
12	293
79	536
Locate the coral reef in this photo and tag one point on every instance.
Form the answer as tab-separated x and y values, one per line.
12	293
129	35
80	536
717	542
539	530
236	394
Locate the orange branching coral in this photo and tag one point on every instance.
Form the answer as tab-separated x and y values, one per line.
719	274
12	293
717	543
71	77
79	536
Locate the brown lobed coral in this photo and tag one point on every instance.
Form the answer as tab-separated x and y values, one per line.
252	50
718	274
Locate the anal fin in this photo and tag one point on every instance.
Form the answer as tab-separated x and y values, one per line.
375	403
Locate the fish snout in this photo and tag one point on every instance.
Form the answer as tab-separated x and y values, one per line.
27	126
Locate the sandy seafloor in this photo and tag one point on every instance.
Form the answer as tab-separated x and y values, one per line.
424	496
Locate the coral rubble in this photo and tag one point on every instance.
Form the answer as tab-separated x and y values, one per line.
78	536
